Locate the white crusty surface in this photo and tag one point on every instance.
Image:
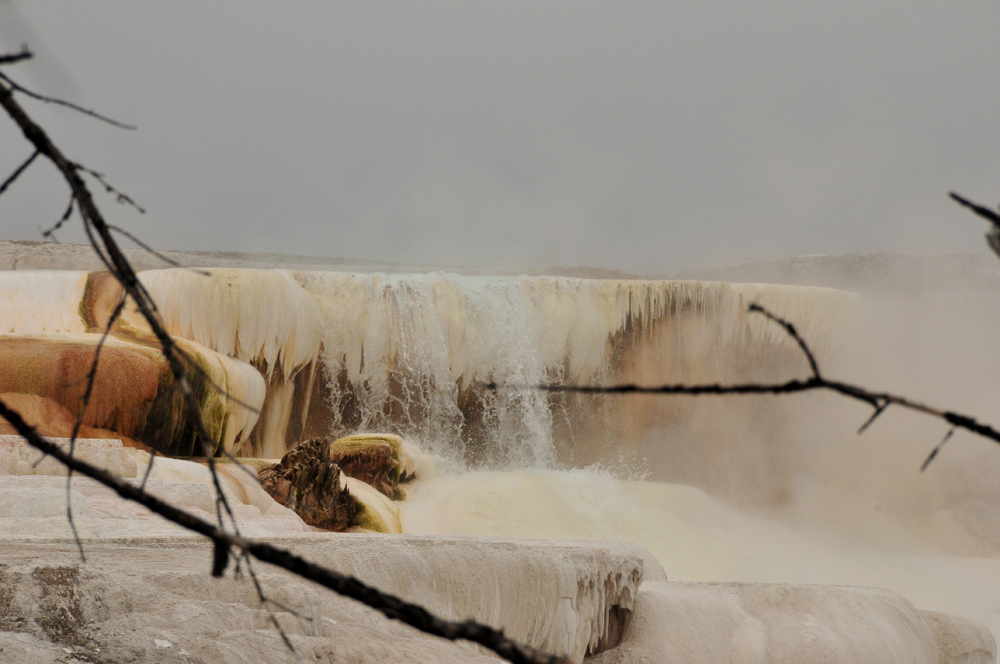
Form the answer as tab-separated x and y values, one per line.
137	591
706	623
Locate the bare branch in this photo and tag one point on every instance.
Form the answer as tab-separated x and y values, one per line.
69	515
981	210
993	235
11	58
266	602
52	100
754	307
97	248
120	197
91	379
934	452
17	173
149	468
878	411
62	220
92	375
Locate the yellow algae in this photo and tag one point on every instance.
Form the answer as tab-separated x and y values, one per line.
376	513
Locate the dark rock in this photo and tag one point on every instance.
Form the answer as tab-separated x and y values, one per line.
307	481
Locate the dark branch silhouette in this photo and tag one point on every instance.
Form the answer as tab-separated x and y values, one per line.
877	400
993	236
52	100
11	58
51	233
981	210
934	452
17	173
225	543
154	252
85	402
122	198
792	332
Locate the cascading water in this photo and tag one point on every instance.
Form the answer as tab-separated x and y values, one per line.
411	353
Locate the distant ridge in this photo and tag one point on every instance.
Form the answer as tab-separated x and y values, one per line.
33	255
864	272
858	272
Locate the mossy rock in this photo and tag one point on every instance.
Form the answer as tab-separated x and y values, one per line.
309	482
375	512
377	459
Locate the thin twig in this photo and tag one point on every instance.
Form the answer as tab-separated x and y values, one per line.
11	58
149	468
754	307
154	252
17	173
878	411
993	235
981	210
97	248
52	100
62	219
69	515
264	601
120	196
91	379
934	452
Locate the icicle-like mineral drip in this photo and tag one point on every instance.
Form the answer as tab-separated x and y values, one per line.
262	317
409	347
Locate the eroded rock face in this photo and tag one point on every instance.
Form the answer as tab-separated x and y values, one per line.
52	420
308	481
377	459
134	398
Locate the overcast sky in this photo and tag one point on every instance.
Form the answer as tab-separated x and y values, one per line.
648	137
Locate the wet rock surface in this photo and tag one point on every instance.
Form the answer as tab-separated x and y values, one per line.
307	481
375	459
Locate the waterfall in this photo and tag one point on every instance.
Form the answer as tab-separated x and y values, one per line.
410	354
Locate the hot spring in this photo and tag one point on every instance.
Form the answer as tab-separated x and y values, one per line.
736	488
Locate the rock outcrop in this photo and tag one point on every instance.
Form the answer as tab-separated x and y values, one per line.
52	420
134	397
350	483
308	481
377	459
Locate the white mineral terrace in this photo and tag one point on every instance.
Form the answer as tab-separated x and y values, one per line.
144	592
614	530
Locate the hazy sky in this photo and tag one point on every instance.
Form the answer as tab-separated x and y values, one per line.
648	137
